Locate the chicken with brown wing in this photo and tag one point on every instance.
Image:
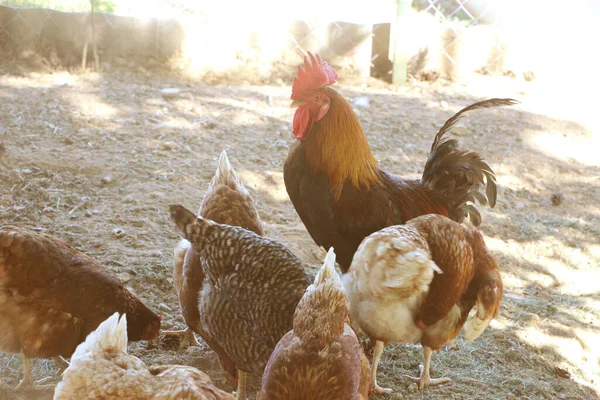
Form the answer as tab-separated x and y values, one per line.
101	369
320	358
226	201
250	292
417	283
52	296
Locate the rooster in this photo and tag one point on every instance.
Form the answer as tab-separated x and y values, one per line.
336	186
417	283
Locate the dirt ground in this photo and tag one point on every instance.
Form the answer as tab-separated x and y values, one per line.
86	155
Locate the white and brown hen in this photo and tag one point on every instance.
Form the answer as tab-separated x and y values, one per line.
101	369
417	283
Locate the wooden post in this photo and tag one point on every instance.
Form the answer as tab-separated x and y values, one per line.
401	37
90	37
94	44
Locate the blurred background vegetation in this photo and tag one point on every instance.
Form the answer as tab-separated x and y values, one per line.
106	6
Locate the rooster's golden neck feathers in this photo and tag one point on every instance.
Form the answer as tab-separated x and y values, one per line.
338	148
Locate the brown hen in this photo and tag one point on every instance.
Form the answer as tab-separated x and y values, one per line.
52	296
250	292
320	358
396	296
226	201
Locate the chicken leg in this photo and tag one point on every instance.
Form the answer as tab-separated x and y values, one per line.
186	337
425	380
27	381
377	351
241	387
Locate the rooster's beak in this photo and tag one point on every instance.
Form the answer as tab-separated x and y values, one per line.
296	103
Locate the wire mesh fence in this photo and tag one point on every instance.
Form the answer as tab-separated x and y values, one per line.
68	34
458	15
64	38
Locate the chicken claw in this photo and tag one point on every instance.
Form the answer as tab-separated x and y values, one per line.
379	390
27	382
425	380
377	351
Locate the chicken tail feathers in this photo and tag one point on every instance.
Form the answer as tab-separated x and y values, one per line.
327	283
459	175
191	227
328	295
327	271
112	333
486	309
226	175
489	103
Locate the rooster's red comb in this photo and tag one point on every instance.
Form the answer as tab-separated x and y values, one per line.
315	74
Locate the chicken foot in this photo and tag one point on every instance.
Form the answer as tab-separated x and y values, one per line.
377	351
241	387
186	337
27	382
425	380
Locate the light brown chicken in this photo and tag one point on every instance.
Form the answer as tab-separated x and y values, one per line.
101	369
396	296
226	201
52	296
251	290
320	358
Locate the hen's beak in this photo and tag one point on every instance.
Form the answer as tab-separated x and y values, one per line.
296	103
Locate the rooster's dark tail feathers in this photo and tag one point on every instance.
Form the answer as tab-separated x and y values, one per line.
458	175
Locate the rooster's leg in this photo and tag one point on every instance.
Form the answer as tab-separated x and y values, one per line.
376	356
186	337
241	387
27	381
425	380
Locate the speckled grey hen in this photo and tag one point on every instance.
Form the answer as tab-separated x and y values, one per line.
226	201
252	288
